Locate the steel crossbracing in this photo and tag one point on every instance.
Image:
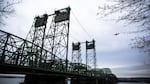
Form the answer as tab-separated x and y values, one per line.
91	55
17	51
76	58
53	37
45	47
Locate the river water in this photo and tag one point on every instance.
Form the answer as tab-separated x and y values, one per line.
132	83
18	80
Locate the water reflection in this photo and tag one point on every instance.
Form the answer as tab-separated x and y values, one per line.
11	80
132	83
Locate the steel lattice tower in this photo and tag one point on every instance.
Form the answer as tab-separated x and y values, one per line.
57	38
37	36
76	53
54	38
91	54
58	34
76	57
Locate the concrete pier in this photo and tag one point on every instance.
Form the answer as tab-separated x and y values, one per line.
54	79
83	81
40	79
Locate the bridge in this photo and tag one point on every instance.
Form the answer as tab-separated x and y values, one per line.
43	55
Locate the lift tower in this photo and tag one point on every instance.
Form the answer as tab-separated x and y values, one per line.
91	55
76	53
58	33
54	38
76	56
37	35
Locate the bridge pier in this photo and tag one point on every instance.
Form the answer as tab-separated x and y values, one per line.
84	81
42	79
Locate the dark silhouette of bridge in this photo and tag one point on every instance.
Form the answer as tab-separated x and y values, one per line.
43	57
16	58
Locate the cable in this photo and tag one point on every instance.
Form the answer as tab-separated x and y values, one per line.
81	26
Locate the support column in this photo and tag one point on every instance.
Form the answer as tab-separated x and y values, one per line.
83	81
41	79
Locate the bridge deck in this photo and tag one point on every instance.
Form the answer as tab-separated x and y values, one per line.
13	69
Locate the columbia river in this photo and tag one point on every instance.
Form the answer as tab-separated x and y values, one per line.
132	83
18	80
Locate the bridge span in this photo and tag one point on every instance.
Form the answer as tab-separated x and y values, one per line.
43	57
17	60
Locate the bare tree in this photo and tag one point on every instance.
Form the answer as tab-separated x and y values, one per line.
134	12
6	8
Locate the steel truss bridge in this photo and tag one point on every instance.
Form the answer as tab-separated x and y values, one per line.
43	52
16	57
43	55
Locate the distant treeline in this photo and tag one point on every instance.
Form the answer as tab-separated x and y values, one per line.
134	80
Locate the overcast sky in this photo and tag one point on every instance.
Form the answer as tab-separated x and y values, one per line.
112	51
